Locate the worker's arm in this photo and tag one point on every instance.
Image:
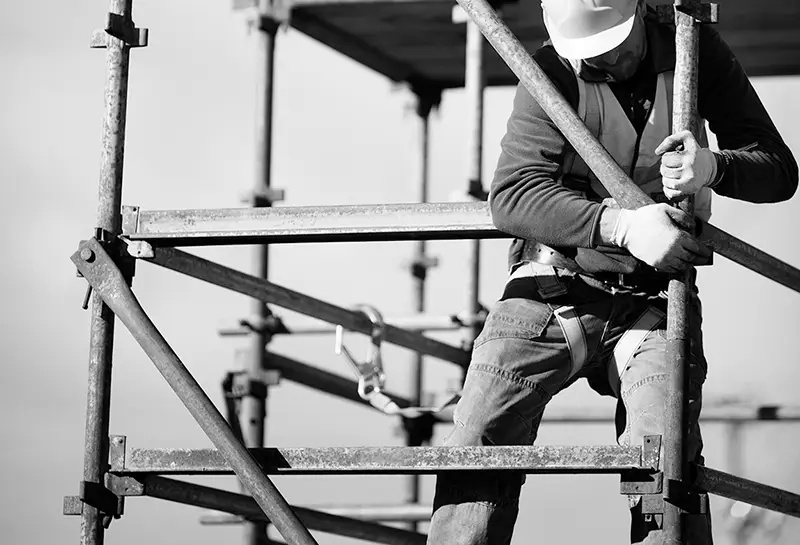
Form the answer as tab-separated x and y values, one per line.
526	201
754	164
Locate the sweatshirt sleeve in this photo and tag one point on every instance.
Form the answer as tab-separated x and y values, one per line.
754	163
525	199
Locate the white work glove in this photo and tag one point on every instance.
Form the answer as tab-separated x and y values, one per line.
685	166
654	234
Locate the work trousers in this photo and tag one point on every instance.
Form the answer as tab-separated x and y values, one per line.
522	358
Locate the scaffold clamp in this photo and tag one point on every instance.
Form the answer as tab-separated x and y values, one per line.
419	266
121	257
264	197
371	377
700	11
121	28
109	504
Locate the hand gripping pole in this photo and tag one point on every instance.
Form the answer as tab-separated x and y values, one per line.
102	273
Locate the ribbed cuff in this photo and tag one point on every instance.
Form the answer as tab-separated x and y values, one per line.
722	163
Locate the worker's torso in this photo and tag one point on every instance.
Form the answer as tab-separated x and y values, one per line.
633	150
631	139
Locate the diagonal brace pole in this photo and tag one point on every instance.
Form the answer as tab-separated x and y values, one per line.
258	288
103	275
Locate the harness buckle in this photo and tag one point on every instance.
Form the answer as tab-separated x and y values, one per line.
371	378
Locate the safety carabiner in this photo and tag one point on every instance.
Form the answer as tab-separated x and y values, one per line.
371	377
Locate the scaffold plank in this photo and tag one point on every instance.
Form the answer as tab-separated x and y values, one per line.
416	42
351	223
390	460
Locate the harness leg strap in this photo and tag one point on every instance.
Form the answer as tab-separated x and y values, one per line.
570	324
629	343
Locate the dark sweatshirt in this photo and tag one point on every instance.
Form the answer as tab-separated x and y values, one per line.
526	202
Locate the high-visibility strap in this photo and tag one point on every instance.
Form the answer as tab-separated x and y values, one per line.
630	342
571	326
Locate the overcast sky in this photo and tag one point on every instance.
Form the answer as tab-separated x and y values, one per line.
343	135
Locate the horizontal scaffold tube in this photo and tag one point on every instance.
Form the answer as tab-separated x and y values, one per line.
209	227
382	513
263	290
341	223
245	506
390	460
420	322
334	384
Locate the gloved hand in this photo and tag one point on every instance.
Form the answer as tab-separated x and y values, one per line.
654	234
685	166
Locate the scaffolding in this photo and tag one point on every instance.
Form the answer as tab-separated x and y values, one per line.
126	235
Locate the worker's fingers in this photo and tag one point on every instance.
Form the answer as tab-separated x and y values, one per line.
671	172
697	252
679	217
674	194
673	159
682	139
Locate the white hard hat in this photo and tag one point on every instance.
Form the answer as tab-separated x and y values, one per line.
581	29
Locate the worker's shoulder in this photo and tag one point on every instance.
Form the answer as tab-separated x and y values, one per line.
552	64
558	70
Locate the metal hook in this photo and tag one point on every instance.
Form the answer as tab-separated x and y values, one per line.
371	377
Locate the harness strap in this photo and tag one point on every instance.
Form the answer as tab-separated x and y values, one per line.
629	343
549	285
570	324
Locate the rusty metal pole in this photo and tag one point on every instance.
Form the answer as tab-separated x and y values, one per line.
474	82
109	220
253	403
679	325
108	281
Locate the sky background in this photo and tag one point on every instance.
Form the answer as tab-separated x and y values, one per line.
343	135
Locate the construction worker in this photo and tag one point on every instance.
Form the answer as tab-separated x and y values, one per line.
585	297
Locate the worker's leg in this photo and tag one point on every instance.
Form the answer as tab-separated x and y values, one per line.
519	361
643	390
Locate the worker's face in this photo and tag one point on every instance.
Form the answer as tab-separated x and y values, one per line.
622	62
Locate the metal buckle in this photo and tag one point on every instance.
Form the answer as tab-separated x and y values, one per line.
371	377
622	281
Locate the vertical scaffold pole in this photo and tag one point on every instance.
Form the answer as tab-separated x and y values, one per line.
474	85
684	117
419	271
101	344
253	403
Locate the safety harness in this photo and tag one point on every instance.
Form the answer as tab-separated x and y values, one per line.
549	286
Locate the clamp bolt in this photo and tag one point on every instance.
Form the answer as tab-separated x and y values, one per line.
87	255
